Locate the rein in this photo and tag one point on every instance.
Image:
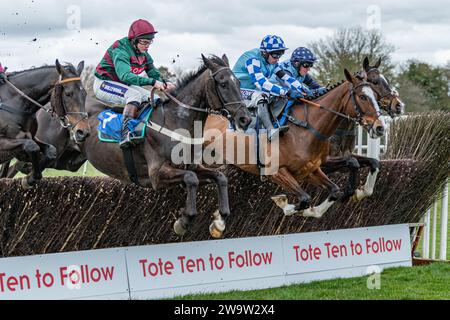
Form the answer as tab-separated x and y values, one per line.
209	110
305	124
64	121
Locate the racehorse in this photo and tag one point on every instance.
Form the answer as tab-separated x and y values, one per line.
212	88
305	146
343	142
22	96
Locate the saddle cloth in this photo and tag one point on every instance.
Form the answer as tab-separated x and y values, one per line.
110	126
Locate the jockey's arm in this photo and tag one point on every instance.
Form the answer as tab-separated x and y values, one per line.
260	81
123	71
314	85
291	82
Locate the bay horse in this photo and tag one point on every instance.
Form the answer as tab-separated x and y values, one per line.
343	142
22	96
303	149
212	88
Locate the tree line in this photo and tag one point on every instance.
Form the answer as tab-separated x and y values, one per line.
421	85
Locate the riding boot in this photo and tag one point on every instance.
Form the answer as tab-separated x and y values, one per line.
129	113
264	115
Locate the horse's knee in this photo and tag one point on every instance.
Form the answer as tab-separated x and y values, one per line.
353	164
31	147
222	180
191	179
51	153
375	164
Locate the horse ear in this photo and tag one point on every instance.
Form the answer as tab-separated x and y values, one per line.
225	59
80	68
208	63
366	64
349	76
377	65
59	68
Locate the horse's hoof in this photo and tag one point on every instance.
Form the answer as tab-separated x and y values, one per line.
179	229
359	195
281	201
216	229
25	184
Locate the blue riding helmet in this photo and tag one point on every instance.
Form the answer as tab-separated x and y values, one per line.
303	54
272	43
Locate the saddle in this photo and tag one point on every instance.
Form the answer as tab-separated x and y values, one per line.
110	126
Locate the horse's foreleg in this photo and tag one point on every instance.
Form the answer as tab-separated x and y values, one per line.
368	188
318	178
343	164
168	175
285	179
19	147
206	175
50	155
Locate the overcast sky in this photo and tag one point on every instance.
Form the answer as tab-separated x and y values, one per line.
36	32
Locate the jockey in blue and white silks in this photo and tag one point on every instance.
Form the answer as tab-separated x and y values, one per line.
298	67
255	68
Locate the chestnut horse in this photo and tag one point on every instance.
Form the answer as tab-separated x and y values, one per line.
302	150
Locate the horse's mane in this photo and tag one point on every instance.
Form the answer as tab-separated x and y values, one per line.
190	76
329	89
67	66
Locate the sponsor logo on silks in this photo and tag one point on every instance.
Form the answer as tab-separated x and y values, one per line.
247	94
137	70
113	89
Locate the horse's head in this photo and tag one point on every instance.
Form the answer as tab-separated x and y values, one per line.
68	101
224	91
388	97
363	105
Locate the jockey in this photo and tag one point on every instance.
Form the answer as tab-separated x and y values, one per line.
254	69
124	70
2	74
301	62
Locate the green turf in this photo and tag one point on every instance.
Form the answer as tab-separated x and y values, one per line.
419	283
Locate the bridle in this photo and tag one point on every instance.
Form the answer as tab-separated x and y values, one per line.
381	97
64	120
222	111
359	113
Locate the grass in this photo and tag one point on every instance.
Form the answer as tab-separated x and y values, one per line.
419	283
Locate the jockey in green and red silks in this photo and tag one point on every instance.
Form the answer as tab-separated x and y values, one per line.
125	68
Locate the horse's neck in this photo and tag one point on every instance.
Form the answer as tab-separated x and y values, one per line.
324	121
36	84
182	118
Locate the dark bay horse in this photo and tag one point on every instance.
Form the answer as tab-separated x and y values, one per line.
59	85
343	141
302	151
212	88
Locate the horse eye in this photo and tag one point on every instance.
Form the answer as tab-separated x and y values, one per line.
223	85
363	97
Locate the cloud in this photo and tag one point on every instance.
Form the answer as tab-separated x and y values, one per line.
188	28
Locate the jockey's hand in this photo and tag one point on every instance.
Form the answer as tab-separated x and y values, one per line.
159	85
170	86
295	94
